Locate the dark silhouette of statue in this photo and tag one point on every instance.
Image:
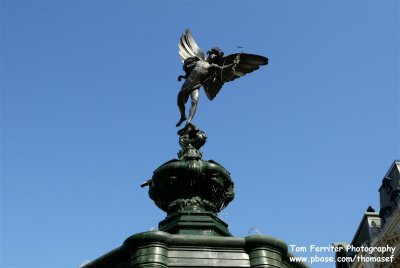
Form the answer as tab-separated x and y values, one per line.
211	72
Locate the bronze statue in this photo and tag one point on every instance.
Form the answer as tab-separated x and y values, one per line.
211	72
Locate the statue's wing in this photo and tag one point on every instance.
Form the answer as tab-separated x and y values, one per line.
188	47
247	63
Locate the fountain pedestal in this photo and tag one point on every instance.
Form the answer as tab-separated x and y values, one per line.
192	191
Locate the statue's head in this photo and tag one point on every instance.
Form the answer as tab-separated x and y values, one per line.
215	55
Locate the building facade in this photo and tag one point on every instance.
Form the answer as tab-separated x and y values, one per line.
376	243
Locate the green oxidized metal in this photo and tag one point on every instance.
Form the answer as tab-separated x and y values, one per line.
191	190
191	185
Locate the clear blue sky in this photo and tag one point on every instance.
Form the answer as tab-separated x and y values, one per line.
88	112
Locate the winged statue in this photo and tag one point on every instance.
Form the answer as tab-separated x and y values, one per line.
210	72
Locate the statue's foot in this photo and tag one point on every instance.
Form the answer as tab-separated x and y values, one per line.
180	121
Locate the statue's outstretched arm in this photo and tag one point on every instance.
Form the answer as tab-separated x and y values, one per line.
225	67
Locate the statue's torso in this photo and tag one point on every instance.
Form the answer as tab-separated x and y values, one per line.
198	75
201	67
